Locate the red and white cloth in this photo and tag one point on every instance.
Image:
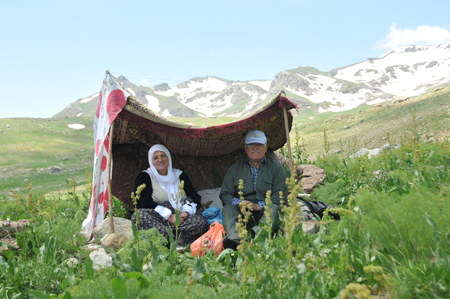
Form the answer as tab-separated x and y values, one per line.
111	101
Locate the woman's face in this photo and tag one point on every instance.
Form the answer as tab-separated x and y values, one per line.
161	162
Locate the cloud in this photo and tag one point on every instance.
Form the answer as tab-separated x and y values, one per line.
421	36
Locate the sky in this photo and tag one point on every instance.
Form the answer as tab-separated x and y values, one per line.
53	53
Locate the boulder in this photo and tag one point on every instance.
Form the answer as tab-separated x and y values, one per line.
311	177
375	152
121	225
311	227
10	227
114	241
360	153
399	99
100	260
54	169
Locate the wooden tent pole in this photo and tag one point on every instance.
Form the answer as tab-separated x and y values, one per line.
111	216
286	126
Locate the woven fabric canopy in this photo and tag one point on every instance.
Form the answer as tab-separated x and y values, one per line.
204	153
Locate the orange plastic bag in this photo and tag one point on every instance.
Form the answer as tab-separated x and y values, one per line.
212	239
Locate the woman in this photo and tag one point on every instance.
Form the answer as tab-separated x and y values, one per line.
160	198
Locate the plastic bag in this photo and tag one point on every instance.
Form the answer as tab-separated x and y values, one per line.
212	214
211	240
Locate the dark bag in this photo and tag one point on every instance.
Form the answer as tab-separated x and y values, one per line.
318	207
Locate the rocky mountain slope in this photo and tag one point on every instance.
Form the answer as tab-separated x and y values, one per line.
405	71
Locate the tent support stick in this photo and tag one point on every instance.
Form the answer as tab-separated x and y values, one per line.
286	126
111	216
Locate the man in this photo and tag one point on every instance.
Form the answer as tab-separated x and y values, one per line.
260	173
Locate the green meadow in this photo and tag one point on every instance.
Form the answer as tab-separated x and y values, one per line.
392	240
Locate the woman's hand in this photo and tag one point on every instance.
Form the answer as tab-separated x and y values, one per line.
183	215
173	218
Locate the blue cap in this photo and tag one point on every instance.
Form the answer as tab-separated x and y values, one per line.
255	136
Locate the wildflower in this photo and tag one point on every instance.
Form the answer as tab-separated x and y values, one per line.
7	212
144	237
15	214
68	209
1	213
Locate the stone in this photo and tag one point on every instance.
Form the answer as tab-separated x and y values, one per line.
361	121
378	106
375	152
360	153
386	146
114	241
54	169
100	260
337	151
66	159
13	247
10	227
121	225
311	227
326	121
72	262
346	127
338	119
437	89
311	177
93	247
399	99
384	138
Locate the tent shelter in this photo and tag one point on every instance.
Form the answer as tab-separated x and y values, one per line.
204	153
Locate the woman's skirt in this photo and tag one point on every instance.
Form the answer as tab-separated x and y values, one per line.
190	230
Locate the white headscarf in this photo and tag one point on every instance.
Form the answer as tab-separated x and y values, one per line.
168	182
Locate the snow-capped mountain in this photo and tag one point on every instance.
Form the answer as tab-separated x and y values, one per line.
406	71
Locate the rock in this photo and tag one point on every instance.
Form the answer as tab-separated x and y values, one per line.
114	241
338	119
311	227
100	260
361	121
93	247
431	140
8	126
399	99
13	247
66	159
337	151
360	153
386	146
326	121
72	262
11	226
346	127
437	89
54	169
384	138
121	226
375	152
312	176
378	106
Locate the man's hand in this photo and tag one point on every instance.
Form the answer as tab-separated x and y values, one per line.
250	206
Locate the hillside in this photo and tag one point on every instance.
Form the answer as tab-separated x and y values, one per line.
30	146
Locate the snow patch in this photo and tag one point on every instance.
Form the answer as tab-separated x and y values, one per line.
79	114
166	113
76	126
130	91
263	84
153	103
85	100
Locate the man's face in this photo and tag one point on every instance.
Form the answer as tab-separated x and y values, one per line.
255	151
